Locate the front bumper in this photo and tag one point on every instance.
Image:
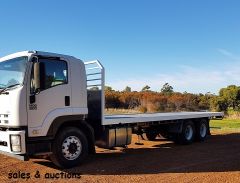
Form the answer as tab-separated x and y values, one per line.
5	143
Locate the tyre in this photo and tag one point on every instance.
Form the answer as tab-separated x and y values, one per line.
151	135
70	148
202	130
188	133
169	136
165	135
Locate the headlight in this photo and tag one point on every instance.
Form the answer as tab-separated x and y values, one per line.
15	143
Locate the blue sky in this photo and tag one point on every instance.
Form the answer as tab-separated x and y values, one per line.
192	44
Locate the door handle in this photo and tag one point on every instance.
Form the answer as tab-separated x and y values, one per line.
67	100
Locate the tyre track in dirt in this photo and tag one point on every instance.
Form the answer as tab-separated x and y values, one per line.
216	160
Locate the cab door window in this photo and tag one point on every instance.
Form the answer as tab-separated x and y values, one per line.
54	73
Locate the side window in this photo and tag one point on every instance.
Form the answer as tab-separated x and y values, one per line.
54	73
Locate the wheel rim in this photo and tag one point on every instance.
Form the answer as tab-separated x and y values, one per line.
189	132
203	130
71	148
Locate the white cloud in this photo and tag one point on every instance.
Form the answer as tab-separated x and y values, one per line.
228	54
190	79
225	52
196	80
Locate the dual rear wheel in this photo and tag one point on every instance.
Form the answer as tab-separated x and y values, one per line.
190	131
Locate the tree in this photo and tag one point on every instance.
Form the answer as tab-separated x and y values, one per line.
108	88
218	104
127	89
231	95
204	100
146	88
167	89
112	99
94	88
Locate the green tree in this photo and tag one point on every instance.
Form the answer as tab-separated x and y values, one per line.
167	89
231	95
146	88
218	104
94	88
108	88
127	89
204	100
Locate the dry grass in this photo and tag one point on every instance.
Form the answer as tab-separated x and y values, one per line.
235	115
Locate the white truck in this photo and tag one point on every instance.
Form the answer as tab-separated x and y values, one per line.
48	107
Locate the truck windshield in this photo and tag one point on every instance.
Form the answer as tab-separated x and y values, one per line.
12	71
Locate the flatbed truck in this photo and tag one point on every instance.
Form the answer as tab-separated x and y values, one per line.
48	107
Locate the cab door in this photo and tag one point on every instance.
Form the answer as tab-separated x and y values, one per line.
52	98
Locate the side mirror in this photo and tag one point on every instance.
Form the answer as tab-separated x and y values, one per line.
37	79
37	76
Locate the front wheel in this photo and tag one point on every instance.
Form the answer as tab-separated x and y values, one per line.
70	148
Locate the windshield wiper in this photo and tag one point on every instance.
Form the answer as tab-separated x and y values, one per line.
10	86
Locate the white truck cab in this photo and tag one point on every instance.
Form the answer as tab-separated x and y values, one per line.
28	108
47	107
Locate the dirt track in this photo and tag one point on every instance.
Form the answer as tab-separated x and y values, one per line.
216	160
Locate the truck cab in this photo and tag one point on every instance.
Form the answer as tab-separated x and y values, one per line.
38	91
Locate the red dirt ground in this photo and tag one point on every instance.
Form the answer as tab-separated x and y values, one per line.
216	160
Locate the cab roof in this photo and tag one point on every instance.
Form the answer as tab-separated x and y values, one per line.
31	53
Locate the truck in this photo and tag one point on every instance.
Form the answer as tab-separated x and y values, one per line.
53	104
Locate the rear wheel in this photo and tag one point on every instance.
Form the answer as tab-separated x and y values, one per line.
151	135
201	130
169	136
188	133
165	135
70	148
